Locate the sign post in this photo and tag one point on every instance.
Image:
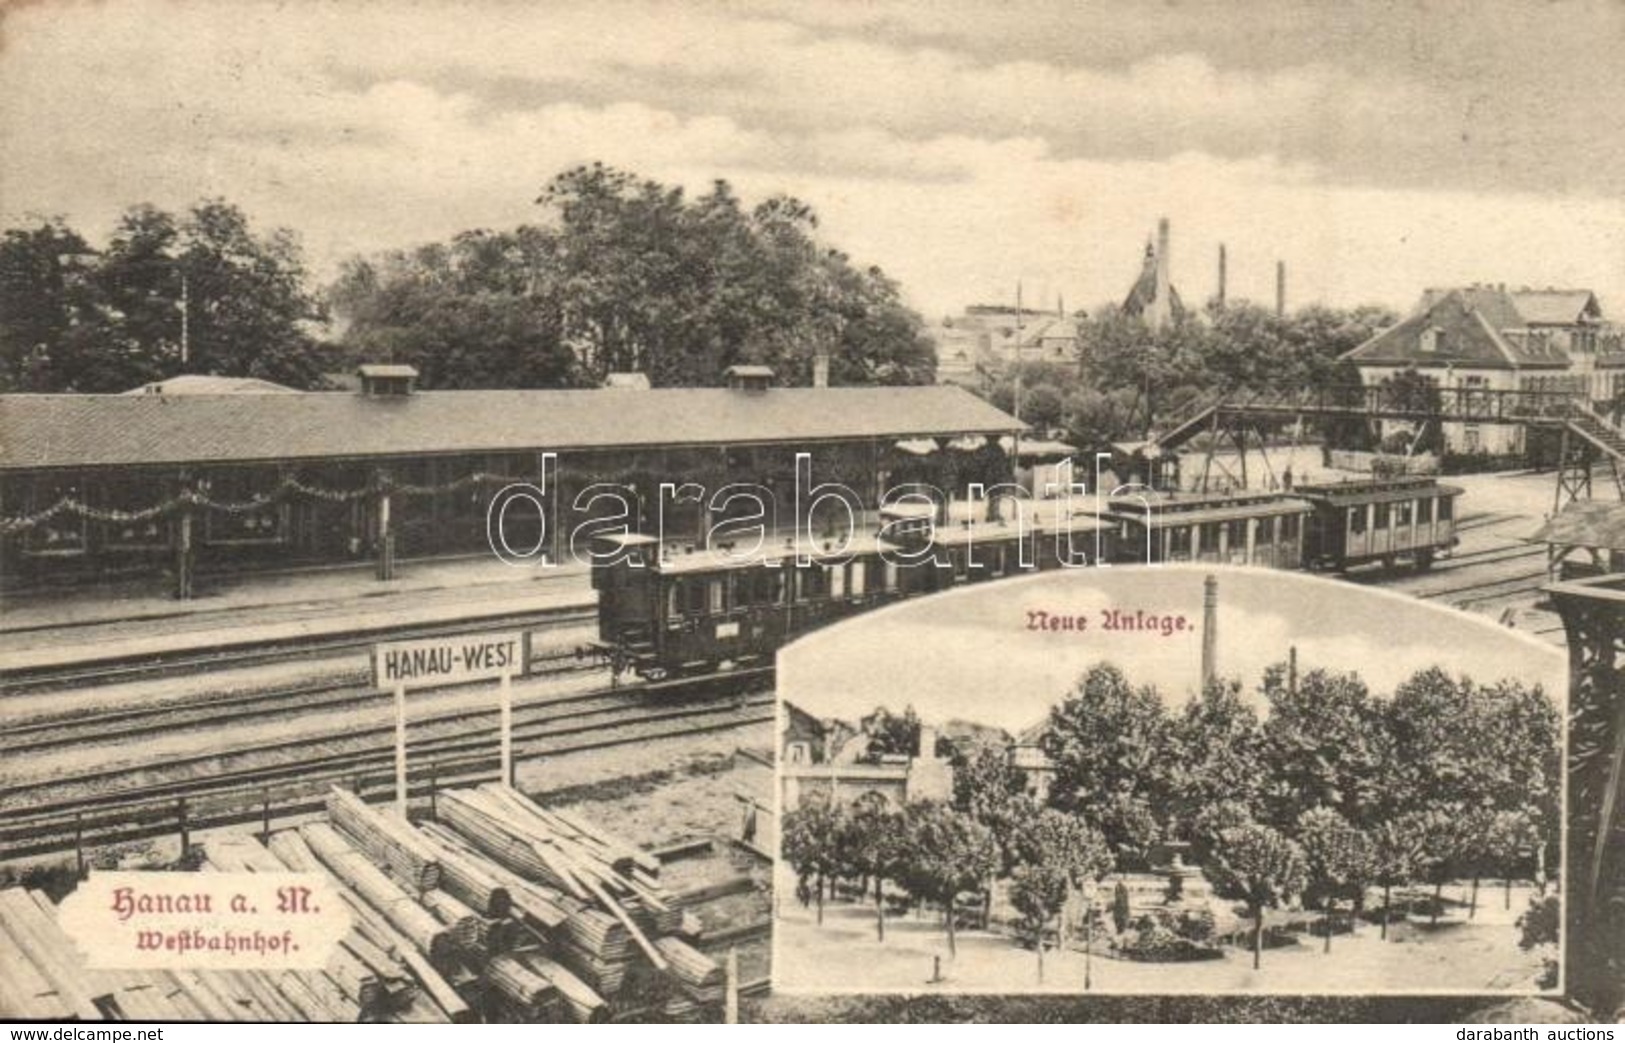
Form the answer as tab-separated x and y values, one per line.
442	661
400	749
507	729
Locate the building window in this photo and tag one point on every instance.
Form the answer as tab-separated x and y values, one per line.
1432	340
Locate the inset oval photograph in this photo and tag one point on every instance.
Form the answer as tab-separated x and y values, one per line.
1170	780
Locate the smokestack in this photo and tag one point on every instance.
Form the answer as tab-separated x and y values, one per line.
821	370
1280	288
1164	306
1210	630
1221	275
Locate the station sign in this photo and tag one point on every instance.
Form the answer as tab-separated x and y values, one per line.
450	660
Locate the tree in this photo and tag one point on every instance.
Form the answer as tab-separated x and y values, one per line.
1038	891
811	842
1337	860
1258	866
199	293
1447	844
1511	842
949	853
1327	741
1218	755
1109	743
872	841
1397	847
48	306
892	733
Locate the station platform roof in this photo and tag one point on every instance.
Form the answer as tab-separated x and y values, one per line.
1585	523
42	432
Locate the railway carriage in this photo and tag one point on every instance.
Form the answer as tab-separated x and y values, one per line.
1236	528
666	610
1410	518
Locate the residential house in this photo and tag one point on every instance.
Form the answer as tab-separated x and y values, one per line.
1489	338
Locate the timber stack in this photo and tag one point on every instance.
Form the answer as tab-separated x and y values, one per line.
502	910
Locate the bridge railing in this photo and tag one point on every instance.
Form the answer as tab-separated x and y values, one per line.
1470	405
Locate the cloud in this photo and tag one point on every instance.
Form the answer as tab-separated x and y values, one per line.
959	152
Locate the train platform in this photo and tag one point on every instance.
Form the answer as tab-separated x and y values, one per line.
61	630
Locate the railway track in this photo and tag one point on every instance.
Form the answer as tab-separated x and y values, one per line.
447	749
352	690
253	652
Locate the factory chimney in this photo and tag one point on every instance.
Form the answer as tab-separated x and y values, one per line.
1210	631
1162	312
1280	289
1221	275
821	370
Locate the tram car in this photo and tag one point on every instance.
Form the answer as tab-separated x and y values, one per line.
1406	518
669	610
1234	528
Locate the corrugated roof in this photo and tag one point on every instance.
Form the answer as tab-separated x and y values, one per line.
50	431
1599	525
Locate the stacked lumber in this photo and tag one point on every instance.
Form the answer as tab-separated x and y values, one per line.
470	931
465	876
378	944
403	912
388	841
697	975
336	992
534	997
539	905
529	841
585	1006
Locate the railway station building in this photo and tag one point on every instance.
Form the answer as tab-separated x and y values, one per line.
168	484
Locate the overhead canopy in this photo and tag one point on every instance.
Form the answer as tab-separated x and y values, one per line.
1585	523
84	431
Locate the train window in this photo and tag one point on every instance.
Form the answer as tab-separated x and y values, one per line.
1382	516
1357	520
857	574
691	597
888	574
717	591
960	562
835	576
1446	508
1402	513
1424	510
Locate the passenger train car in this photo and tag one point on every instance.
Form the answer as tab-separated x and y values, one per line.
1410	518
671	609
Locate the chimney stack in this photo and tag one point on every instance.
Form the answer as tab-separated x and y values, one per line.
1210	630
1163	305
821	370
1280	289
1221	275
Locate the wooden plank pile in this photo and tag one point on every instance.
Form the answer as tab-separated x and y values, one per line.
502	909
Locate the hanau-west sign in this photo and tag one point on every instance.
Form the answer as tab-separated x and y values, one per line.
400	665
450	660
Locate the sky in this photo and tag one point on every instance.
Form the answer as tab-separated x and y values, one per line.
969	655
1377	146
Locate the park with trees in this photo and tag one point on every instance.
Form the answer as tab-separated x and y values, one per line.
1230	836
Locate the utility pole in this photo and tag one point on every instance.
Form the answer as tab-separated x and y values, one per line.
186	321
1016	444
